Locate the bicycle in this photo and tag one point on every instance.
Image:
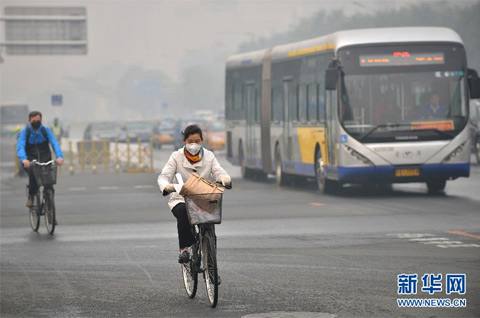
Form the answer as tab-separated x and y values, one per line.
43	202
204	211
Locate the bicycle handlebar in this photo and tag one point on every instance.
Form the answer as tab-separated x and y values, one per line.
35	162
228	187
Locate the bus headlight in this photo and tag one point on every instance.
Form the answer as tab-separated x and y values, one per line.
358	155
454	153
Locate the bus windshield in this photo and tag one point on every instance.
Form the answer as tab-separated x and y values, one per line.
393	99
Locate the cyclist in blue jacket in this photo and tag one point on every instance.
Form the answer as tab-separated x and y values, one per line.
34	144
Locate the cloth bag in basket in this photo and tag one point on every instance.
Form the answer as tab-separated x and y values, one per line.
202	192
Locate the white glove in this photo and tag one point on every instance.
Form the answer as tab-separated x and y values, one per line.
225	180
169	188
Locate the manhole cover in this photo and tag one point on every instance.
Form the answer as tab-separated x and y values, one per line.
290	314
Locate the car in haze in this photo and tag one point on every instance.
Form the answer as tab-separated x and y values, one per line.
139	130
164	132
110	131
215	135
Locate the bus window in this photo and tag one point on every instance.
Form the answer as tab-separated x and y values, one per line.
302	103
237	97
293	103
312	102
277	104
229	102
320	103
257	104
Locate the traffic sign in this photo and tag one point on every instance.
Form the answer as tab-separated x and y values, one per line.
57	100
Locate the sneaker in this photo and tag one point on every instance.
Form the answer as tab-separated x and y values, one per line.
184	256
29	203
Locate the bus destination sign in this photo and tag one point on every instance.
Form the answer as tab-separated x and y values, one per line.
401	58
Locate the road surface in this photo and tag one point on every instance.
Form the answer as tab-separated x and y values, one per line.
281	250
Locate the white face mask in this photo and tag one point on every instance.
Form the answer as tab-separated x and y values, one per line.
193	148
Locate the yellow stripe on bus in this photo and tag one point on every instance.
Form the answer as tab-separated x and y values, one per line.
311	50
308	138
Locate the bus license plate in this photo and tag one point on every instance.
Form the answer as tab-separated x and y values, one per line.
407	172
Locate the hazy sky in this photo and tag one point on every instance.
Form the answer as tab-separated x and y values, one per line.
156	35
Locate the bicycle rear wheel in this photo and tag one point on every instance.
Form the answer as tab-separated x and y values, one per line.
210	274
49	209
35	213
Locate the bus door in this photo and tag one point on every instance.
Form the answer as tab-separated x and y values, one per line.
287	118
250	100
330	123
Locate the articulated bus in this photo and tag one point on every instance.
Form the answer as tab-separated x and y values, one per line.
371	106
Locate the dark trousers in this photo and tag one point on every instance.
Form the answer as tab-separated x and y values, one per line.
185	235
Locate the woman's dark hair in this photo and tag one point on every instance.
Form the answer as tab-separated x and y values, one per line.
192	130
34	113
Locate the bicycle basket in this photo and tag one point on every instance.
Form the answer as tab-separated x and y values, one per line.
204	208
45	175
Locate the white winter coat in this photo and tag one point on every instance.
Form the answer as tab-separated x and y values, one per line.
208	168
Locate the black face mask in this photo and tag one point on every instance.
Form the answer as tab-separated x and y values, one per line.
36	124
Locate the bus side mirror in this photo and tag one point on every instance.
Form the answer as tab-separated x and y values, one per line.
473	84
331	78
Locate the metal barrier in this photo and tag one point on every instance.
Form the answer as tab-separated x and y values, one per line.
131	156
92	153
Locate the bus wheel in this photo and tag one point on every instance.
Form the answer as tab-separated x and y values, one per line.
319	173
280	177
324	185
436	186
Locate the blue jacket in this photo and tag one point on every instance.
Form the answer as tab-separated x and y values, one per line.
36	137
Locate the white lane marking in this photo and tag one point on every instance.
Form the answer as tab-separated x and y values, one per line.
459	245
77	188
143	186
109	188
410	235
447	242
428	239
431	239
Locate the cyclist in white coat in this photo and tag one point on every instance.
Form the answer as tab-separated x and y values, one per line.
193	157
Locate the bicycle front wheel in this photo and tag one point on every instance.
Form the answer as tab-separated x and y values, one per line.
190	270
210	274
35	213
49	209
190	279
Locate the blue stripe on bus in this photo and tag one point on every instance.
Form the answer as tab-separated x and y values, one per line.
439	170
447	170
